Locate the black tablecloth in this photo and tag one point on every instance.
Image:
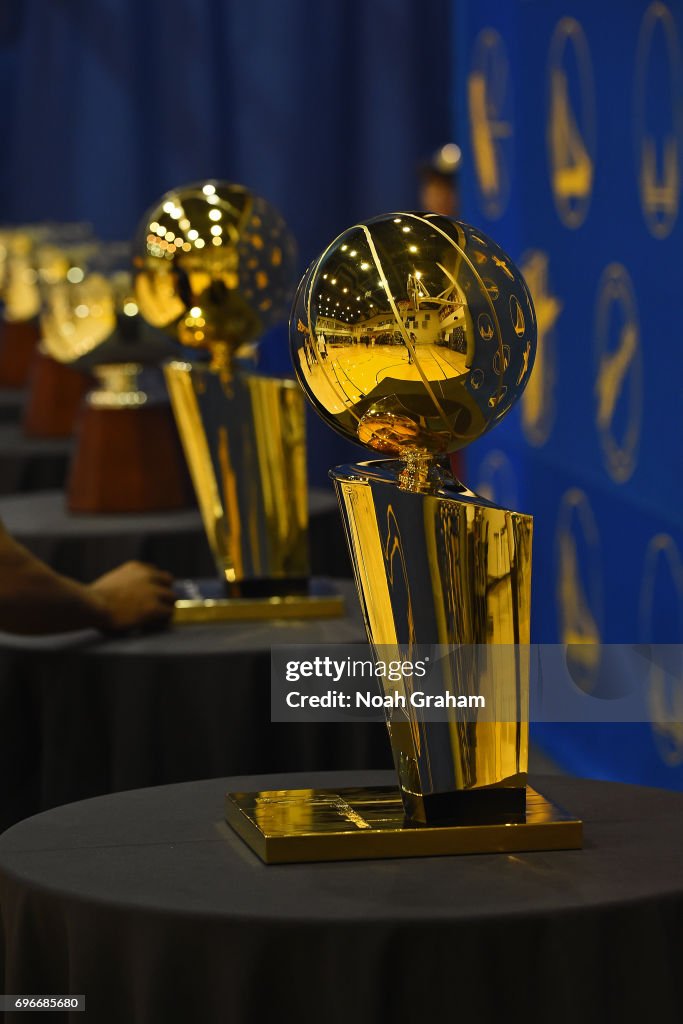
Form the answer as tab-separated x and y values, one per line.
11	405
151	907
80	715
31	464
85	546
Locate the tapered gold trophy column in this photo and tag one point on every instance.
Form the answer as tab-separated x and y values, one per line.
215	268
415	334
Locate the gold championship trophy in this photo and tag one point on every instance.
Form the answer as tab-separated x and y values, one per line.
56	390
30	256
415	334
127	455
215	267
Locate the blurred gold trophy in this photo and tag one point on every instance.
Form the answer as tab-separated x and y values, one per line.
55	389
29	255
415	334
21	304
128	456
215	267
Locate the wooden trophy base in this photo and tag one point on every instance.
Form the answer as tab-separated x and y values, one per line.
18	343
128	460
55	396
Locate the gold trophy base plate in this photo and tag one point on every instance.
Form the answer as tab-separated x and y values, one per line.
321	601
293	826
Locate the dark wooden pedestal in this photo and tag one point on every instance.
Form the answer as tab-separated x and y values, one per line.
128	460
54	399
18	342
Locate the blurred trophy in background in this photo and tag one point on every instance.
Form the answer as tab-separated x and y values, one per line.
20	292
415	334
29	255
55	390
215	267
128	456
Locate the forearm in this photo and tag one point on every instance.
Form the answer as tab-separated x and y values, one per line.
35	599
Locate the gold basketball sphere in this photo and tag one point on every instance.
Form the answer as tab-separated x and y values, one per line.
215	266
413	333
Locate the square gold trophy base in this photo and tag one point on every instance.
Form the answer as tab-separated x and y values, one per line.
303	825
201	601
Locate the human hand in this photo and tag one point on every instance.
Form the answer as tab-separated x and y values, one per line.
133	595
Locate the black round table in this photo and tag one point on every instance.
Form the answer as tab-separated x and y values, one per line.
85	546
11	404
148	905
31	464
81	715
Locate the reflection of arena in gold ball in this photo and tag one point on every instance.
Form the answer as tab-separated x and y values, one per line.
214	266
413	333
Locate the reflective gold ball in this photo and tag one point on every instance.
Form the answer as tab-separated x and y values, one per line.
214	265
413	333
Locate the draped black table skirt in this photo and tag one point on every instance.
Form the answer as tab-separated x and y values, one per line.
11	404
85	546
80	715
31	464
150	907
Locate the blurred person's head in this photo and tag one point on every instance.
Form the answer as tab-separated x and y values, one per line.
438	178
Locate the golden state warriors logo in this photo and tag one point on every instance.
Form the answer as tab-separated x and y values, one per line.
658	119
538	400
490	110
571	131
579	586
618	381
662	587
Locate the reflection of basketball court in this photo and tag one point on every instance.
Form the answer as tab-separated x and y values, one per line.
351	372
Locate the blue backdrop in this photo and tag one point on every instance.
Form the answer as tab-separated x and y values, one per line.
570	117
323	107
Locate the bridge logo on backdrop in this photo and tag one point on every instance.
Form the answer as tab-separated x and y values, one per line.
619	372
579	586
663	582
538	400
571	122
490	110
657	119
